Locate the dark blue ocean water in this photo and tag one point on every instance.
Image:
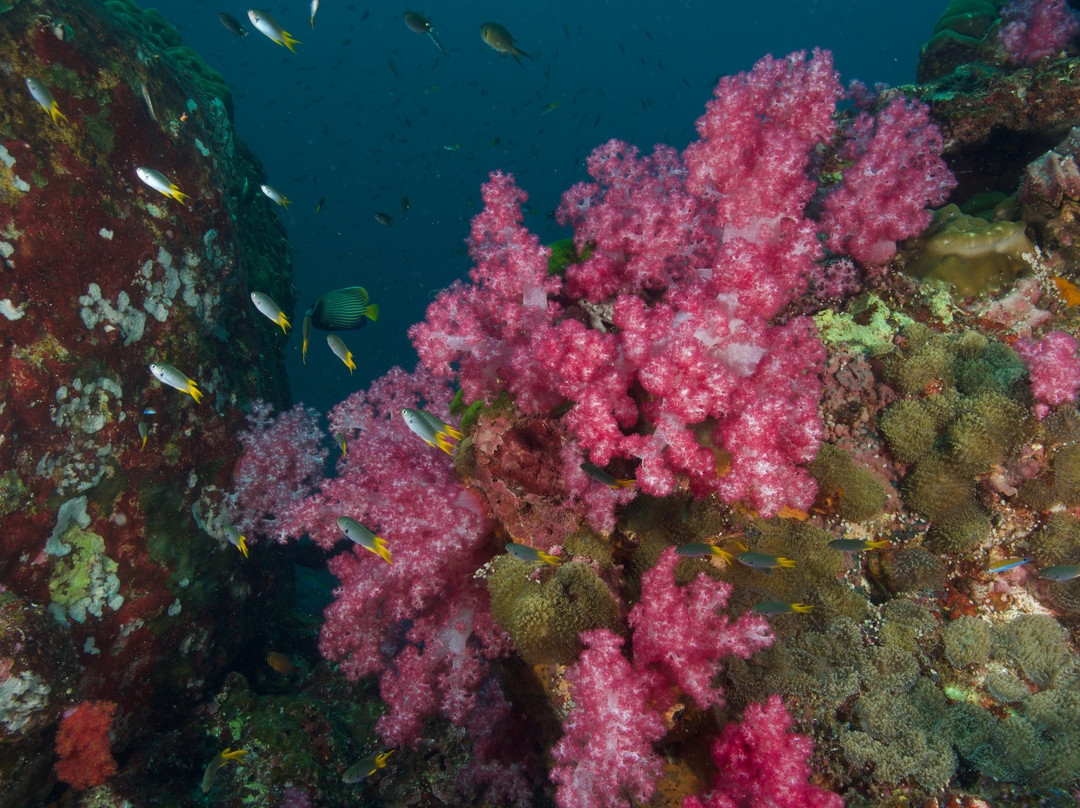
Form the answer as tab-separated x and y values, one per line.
362	114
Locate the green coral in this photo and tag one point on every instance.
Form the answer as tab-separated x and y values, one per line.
858	496
83	581
967	641
869	323
545	613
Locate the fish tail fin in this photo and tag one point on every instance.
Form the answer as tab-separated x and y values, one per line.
288	40
283	321
349	363
801	608
178	195
444	443
55	112
516	59
307	336
624	484
548	558
453	433
785	562
724	554
372	312
520	52
312	22
877	545
381	550
242	546
194	392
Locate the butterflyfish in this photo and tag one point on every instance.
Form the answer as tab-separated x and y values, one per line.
273	194
359	534
267	25
527	553
431	429
220	759
162	184
40	93
499	39
341	351
167	374
340	310
269	309
360	771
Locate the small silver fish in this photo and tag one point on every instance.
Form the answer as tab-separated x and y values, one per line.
341	351
267	26
162	184
168	375
274	194
359	534
431	430
40	93
314	8
149	104
267	307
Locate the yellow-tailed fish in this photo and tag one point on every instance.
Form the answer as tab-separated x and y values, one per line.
452	146
699	549
267	25
342	443
340	310
1006	564
314	8
431	429
857	545
167	374
40	93
360	771
162	184
272	193
149	103
341	351
220	759
144	433
761	561
527	553
318	207
384	219
267	307
772	608
236	540
601	476
496	36
420	25
554	105
364	537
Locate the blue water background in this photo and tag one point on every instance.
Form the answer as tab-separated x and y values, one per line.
361	114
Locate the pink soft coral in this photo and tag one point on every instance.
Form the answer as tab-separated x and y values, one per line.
680	633
606	754
762	765
687	259
1054	366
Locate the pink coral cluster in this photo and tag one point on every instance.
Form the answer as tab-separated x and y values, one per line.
679	638
763	765
1054	366
660	337
1036	29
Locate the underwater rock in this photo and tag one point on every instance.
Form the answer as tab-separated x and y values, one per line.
102	467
